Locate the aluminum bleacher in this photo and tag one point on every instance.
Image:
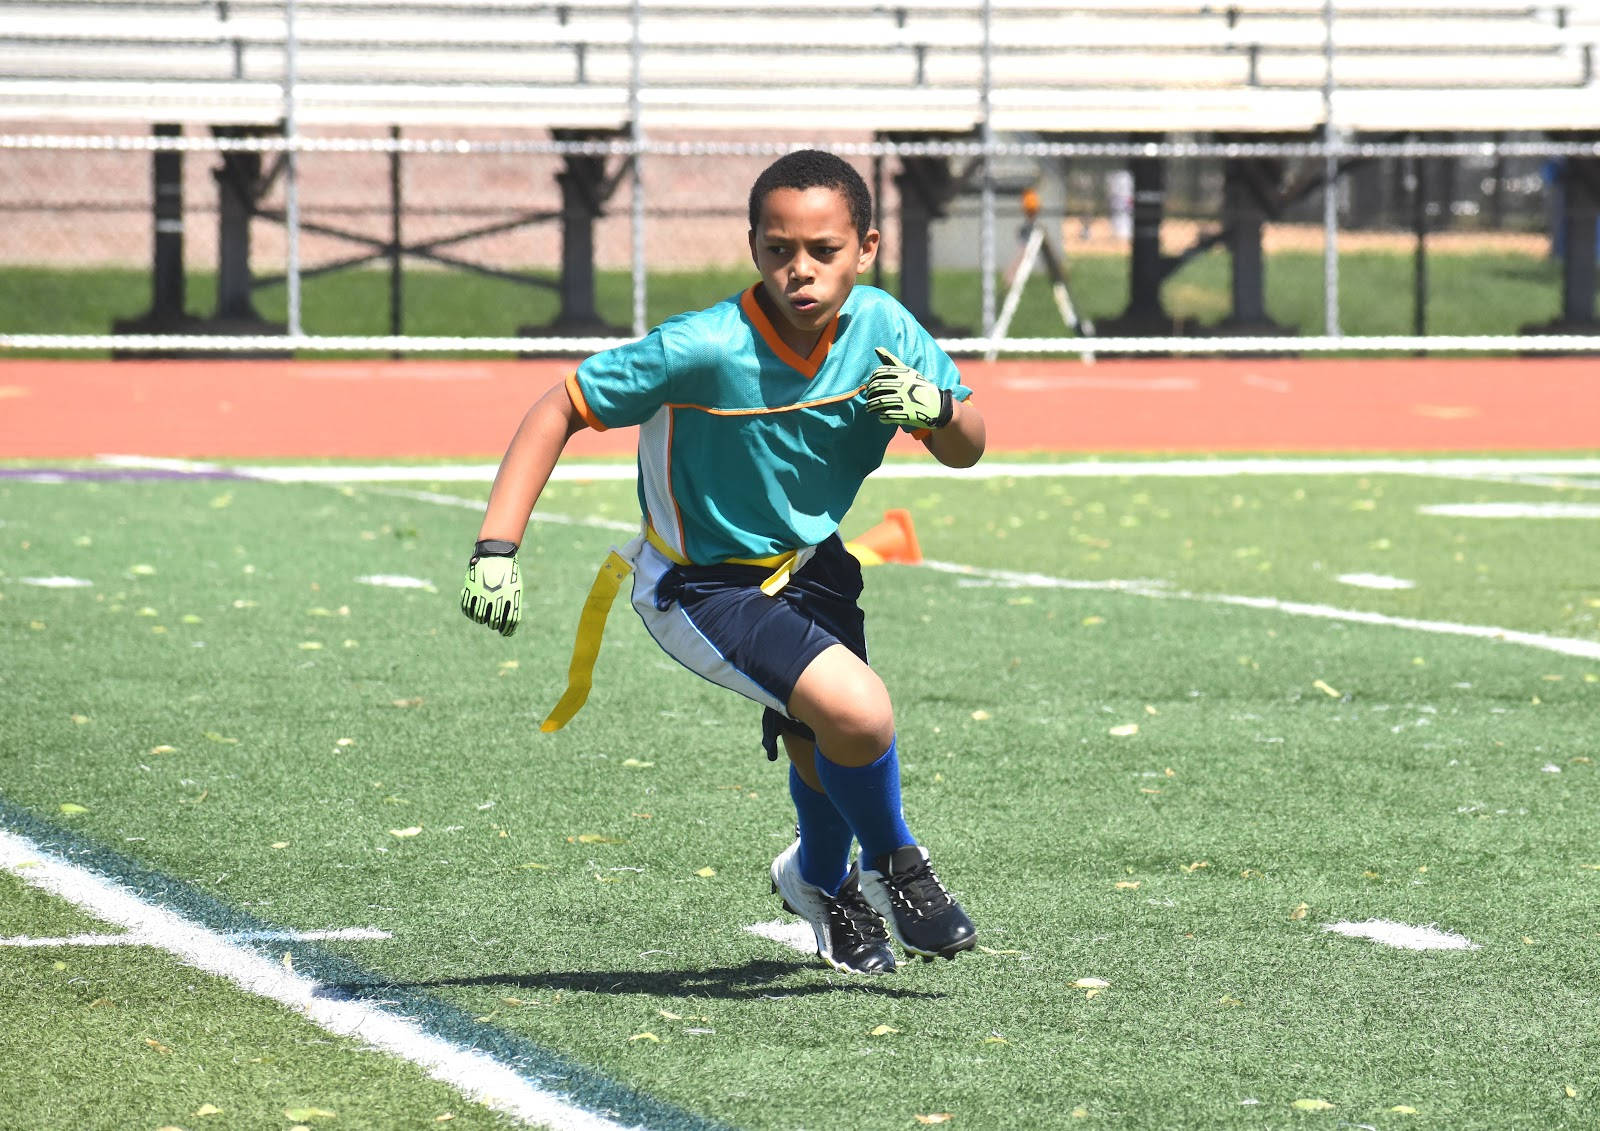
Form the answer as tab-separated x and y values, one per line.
847	64
1117	70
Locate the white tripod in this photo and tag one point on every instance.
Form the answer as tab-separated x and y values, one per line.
1034	245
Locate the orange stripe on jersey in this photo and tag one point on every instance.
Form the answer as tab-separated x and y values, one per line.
806	366
581	404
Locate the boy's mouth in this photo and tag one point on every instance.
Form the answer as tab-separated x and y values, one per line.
803	304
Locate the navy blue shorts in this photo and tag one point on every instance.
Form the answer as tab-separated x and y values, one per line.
716	621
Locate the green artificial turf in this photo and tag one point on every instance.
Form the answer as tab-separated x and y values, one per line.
1168	795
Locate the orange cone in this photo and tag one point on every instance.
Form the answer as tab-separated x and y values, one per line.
892	540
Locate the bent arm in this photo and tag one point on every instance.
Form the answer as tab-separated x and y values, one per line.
959	443
528	462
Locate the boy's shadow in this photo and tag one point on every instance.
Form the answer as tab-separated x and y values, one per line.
747	981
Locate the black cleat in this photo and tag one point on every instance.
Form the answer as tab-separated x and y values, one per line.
850	936
902	888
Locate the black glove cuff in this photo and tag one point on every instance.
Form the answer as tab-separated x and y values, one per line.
947	408
494	548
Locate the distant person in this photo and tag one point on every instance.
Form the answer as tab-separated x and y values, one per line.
758	419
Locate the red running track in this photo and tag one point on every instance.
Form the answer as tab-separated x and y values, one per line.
469	409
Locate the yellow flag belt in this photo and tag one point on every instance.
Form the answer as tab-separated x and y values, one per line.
597	606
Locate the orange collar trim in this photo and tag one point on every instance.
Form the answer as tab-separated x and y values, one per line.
806	366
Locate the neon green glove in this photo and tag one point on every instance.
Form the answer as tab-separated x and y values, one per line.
898	394
492	593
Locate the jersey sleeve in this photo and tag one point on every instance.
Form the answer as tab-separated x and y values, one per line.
924	355
623	386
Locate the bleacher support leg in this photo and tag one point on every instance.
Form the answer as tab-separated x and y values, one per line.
1582	194
1580	239
1249	193
926	187
1144	315
166	314
584	193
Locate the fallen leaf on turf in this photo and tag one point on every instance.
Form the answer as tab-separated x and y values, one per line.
532	865
280	844
1090	622
445	1118
302	1113
594	838
208	1109
163	749
158	1046
80	720
637	763
402	833
981	716
1195	867
310	646
215	737
645	1037
1229	1002
935	1117
416	702
1572	1093
1325	689
995	1039
1128	885
1125	730
1312	1105
883	1031
706	872
1080	1113
1403	1109
72	808
670	1016
142	570
1299	912
992	950
288	960
1091	984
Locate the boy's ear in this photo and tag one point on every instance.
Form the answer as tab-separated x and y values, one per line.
869	250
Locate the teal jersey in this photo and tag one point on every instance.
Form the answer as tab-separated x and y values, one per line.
747	449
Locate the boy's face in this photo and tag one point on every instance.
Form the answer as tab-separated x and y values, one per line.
809	255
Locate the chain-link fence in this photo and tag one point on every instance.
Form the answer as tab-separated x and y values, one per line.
505	237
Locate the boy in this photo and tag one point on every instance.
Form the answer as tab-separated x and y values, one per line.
759	419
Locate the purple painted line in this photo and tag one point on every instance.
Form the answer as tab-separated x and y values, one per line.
86	474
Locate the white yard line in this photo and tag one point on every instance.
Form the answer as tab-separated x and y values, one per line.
1513	510
475	1074
1403	936
1587	649
134	938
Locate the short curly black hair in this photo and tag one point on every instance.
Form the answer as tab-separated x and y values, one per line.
814	168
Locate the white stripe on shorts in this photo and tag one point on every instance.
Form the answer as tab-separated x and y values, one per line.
680	639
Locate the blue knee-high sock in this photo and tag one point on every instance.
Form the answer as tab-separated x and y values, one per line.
869	798
824	836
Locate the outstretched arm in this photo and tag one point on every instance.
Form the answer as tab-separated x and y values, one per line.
528	462
492	591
